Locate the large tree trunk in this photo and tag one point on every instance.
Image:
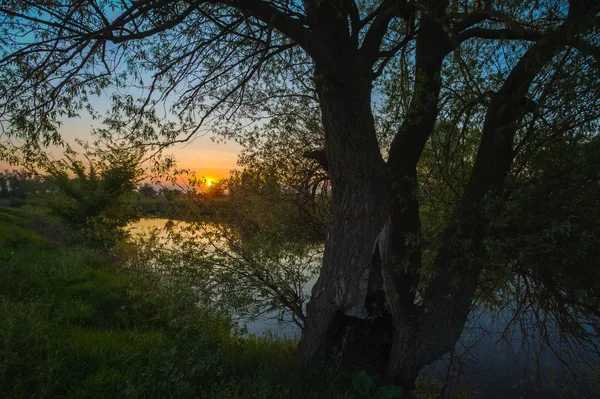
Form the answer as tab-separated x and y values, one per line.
369	259
399	244
424	333
360	203
374	213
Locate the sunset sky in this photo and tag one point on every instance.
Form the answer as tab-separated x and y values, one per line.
205	157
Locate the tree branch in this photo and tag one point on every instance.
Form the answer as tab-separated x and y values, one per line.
369	51
502	34
292	27
318	155
588	49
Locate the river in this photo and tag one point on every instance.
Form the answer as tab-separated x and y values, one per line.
486	362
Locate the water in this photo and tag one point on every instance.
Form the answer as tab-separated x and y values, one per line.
485	362
268	322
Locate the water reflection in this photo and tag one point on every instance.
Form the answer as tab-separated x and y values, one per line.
290	266
486	361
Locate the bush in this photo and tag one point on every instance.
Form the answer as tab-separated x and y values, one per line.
94	201
73	325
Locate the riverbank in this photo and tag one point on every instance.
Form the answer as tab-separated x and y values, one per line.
75	324
182	209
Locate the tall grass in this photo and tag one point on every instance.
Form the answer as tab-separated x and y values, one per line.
74	325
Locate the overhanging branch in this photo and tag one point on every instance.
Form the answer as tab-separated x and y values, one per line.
501	34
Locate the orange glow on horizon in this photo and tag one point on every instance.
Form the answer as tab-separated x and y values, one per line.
203	155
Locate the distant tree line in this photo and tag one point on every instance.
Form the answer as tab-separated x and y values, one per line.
20	184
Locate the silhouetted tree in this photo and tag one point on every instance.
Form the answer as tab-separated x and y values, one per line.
495	63
92	199
147	190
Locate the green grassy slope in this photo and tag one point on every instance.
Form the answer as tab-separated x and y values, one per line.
74	325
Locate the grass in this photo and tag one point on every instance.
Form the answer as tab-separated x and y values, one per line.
74	325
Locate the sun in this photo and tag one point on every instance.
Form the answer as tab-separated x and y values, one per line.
209	183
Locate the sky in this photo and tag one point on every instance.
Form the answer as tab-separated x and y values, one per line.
205	157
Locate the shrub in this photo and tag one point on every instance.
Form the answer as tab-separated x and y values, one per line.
93	200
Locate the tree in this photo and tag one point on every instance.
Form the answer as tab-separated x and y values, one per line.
238	59
280	183
216	189
147	191
92	199
21	184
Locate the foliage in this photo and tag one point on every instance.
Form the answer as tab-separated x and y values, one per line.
216	189
252	252
71	324
545	248
445	111
252	274
280	183
92	200
367	388
20	184
147	190
178	209
264	201
19	187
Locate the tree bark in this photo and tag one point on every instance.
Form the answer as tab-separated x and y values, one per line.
372	252
447	301
360	203
400	244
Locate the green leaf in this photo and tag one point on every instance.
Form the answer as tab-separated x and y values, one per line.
363	383
389	392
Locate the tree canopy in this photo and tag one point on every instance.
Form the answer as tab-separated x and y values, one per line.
457	137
